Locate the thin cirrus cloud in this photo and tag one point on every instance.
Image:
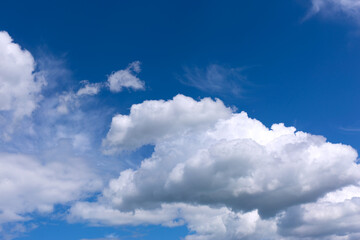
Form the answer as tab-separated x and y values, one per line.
240	179
216	79
334	8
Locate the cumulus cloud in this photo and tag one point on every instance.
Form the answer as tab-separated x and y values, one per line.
27	185
335	216
203	221
349	8
152	121
20	86
206	157
216	79
126	78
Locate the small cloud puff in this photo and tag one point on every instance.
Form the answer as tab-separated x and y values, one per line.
89	88
126	78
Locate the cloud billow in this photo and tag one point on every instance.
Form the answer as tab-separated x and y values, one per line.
20	86
226	163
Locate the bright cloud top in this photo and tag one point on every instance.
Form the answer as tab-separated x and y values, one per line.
152	121
20	86
207	157
126	78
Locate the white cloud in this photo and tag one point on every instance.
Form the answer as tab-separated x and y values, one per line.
207	157
335	215
89	89
71	100
152	121
67	101
20	86
126	78
331	8
27	185
203	221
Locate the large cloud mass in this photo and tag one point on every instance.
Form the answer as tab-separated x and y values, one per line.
19	86
207	157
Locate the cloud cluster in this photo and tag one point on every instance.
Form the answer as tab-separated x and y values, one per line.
210	163
38	167
126	78
222	174
20	86
116	82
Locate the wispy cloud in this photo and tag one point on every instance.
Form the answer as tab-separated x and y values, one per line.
349	9
107	237
216	79
346	129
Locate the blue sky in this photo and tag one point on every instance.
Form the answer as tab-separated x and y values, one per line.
80	160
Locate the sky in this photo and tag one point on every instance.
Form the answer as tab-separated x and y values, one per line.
194	120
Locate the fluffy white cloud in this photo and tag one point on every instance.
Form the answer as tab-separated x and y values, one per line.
27	185
153	121
350	8
335	216
205	222
205	156
20	86
126	78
